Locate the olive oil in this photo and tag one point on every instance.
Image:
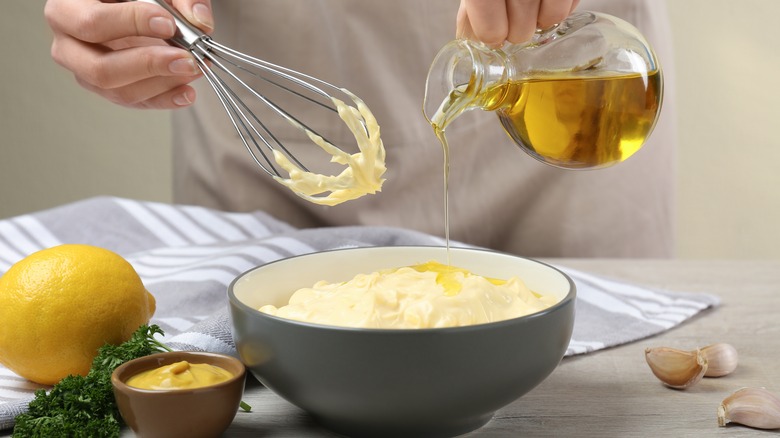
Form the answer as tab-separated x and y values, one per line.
579	123
567	121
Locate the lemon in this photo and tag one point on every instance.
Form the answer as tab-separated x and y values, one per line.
59	305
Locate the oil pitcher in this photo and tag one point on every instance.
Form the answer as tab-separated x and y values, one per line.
583	94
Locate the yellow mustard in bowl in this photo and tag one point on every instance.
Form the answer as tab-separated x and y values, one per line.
180	375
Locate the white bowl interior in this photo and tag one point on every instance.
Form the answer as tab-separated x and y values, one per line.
275	282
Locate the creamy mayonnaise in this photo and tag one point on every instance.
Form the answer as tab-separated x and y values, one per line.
421	296
363	174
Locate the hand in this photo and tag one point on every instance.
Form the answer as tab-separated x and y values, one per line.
495	21
117	50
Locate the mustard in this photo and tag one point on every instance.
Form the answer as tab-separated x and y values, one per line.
180	375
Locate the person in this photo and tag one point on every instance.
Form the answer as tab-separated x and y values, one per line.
499	197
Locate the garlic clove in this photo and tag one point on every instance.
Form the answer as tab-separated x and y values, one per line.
753	407
721	359
676	368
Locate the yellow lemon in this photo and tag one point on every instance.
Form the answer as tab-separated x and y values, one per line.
59	305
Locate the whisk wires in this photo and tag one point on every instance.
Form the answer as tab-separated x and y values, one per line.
258	139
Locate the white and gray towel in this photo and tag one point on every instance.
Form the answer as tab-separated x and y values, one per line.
187	256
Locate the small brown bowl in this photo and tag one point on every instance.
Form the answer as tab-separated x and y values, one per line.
199	412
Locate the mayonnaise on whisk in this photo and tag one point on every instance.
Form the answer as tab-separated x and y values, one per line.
428	295
364	171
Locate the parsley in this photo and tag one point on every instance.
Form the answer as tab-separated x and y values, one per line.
84	406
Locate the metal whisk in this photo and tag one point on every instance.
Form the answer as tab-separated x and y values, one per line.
214	59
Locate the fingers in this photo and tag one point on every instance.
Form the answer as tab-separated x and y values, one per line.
152	93
106	68
197	12
485	21
116	50
523	19
495	21
96	22
462	24
130	75
553	12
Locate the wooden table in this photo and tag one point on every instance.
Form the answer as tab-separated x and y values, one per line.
612	393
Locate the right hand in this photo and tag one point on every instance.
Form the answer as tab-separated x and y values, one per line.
117	50
494	22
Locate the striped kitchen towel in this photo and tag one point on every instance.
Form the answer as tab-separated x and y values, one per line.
187	256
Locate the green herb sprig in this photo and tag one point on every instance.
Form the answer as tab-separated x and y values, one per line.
84	406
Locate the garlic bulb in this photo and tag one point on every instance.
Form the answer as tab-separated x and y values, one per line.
676	368
753	407
721	359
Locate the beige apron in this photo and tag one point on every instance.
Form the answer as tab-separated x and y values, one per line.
499	197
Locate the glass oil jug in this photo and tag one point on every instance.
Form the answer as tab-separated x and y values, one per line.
583	94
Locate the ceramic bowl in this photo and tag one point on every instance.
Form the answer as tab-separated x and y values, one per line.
200	412
390	382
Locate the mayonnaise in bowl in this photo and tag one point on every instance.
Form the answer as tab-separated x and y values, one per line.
427	295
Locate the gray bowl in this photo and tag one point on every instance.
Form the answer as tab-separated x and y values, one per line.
415	382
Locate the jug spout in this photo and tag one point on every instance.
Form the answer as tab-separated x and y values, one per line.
463	68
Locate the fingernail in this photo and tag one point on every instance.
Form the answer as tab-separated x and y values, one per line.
183	99
162	26
202	15
183	66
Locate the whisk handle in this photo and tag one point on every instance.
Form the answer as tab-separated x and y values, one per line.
187	35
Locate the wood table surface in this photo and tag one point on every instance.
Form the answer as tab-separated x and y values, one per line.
612	393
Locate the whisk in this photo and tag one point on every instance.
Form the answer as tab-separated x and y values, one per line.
216	60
